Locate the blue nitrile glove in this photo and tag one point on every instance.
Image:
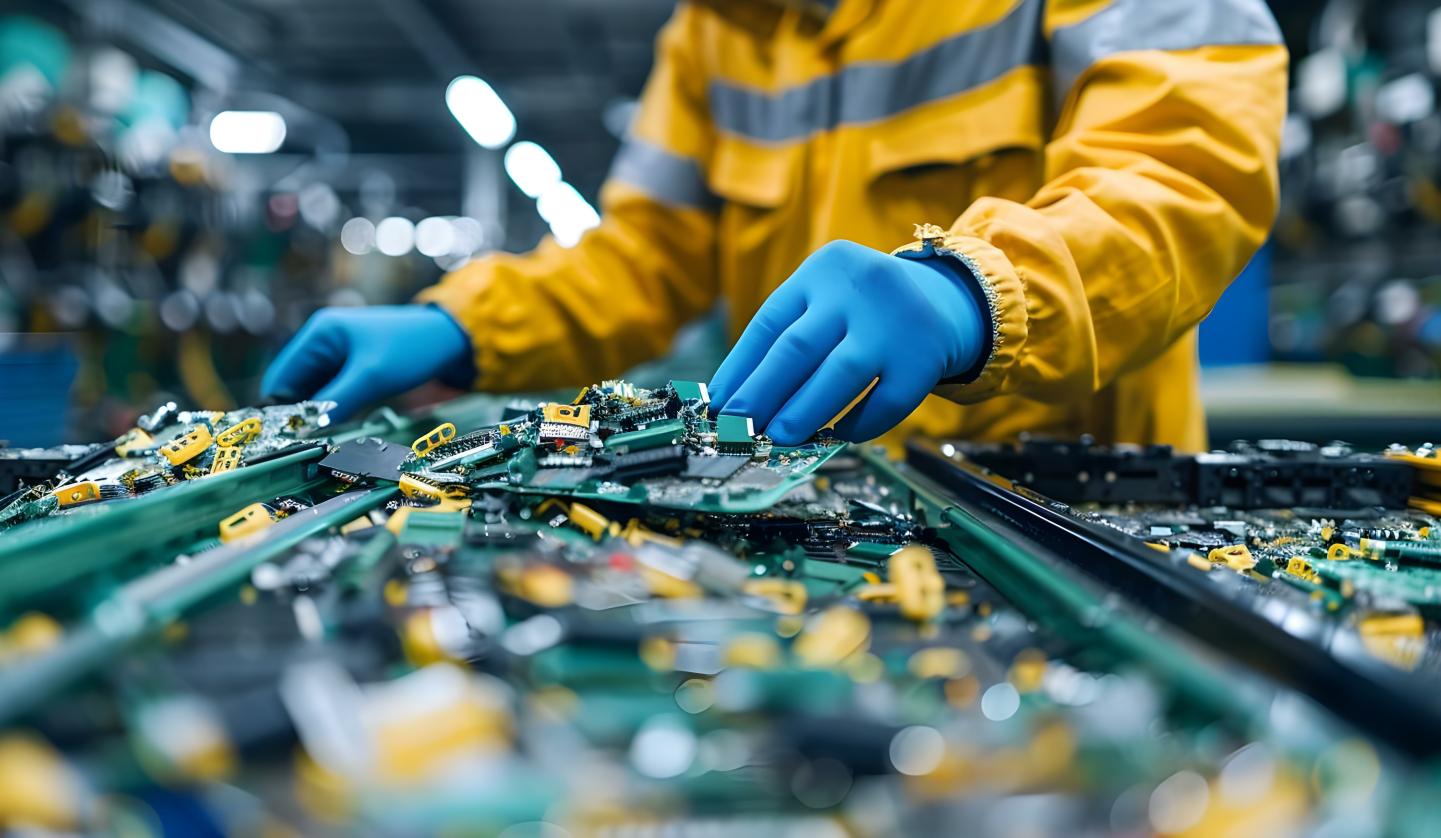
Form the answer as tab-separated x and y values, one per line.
849	315
356	356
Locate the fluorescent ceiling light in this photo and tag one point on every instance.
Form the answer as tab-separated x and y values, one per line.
247	132
567	212
479	110
531	168
395	236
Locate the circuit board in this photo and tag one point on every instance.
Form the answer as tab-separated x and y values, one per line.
1341	534
167	447
336	655
617	442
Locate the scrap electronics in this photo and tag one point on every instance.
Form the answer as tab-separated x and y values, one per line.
615	613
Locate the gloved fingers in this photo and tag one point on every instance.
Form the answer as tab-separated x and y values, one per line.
792	358
776	315
900	391
305	364
352	389
842	377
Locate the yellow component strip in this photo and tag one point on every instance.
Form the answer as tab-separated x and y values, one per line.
226	459
590	521
1237	557
752	651
133	441
1299	566
545	585
1393	625
920	590
834	635
1341	553
248	521
566	414
186	448
240	433
437	437
789	595
77	493
414	487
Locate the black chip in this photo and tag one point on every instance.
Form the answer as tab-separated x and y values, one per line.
714	467
560	477
654	462
364	458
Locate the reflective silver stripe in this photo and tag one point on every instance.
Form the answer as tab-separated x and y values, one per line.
1132	25
873	91
668	178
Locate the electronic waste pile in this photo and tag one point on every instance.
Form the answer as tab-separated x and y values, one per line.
613	614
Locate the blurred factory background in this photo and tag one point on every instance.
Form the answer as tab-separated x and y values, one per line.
183	181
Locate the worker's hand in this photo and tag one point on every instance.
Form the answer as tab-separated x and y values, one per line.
356	356
847	316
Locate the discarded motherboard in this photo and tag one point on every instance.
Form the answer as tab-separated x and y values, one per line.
405	628
621	443
167	447
1349	538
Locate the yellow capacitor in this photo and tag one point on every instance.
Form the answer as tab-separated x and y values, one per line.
226	459
567	414
1237	557
789	595
751	650
1300	567
134	440
186	448
834	635
414	487
240	433
589	520
248	521
78	493
439	436
919	588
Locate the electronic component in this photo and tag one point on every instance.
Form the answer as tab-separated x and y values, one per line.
667	432
366	458
248	521
240	433
437	437
564	422
188	446
1269	474
734	434
78	493
226	459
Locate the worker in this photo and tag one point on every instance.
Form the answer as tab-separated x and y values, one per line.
1100	170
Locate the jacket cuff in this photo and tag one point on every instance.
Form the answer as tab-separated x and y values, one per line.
458	295
1005	297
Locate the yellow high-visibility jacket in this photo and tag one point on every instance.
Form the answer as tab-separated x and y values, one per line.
1109	165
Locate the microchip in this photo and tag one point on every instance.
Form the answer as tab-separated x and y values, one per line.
566	414
365	458
691	391
702	467
559	478
735	434
654	462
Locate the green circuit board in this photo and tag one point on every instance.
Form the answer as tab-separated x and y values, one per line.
620	443
399	627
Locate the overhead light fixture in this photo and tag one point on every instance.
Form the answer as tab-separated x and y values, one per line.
434	237
567	212
247	132
395	236
480	111
531	168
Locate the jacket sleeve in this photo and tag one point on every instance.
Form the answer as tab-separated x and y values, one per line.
1160	183
559	316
